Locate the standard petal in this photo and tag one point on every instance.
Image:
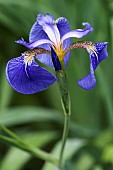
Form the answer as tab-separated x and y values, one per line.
78	33
48	19
44	28
64	27
53	34
28	79
48	24
37	33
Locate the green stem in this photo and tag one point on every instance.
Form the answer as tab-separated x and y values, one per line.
65	100
42	154
64	138
65	97
18	142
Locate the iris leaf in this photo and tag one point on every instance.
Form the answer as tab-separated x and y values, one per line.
18	157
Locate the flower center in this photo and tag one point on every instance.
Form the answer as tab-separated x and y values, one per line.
60	52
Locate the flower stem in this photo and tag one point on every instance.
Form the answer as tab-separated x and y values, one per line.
64	138
65	100
65	97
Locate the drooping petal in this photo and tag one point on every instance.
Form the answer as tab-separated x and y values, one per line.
64	27
97	53
28	79
78	33
96	56
89	81
101	50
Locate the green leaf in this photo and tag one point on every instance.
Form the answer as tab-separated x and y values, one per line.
85	161
26	114
17	157
98	167
107	155
111	31
103	139
72	146
20	2
5	93
105	92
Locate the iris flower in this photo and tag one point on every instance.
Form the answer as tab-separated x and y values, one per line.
49	42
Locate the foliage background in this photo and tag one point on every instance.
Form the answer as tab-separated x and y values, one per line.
38	118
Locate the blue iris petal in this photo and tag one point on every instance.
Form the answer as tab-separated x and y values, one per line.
89	81
24	43
38	33
64	27
28	79
101	49
48	19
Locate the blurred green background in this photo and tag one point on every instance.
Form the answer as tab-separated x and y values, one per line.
38	118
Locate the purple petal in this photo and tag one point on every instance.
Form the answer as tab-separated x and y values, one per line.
33	44
64	27
37	33
96	56
24	43
44	58
99	54
78	33
48	24
49	27
89	81
28	79
48	19
101	50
